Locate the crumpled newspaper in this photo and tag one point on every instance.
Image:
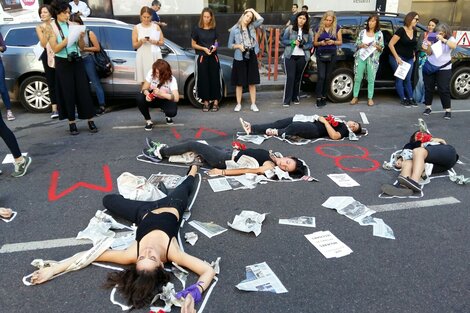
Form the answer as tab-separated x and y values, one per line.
458	179
191	238
248	221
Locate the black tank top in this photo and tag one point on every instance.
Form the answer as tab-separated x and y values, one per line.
259	155
165	221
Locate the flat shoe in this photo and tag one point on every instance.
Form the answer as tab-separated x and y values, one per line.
205	108
354	101
215	108
392	190
370	102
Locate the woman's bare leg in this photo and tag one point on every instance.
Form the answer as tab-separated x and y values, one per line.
419	155
252	89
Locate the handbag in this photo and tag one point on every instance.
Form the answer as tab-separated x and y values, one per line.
430	69
103	65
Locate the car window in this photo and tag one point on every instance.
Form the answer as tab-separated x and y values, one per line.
349	29
21	37
387	30
118	38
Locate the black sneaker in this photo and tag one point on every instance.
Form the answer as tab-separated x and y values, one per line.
396	191
447	115
148	126
320	103
296	101
405	103
73	129
286	105
413	103
169	121
92	127
409	183
427	111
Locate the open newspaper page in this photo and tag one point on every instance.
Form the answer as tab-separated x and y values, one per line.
260	277
208	229
306	221
170	181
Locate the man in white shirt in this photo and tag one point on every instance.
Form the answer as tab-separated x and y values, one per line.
80	7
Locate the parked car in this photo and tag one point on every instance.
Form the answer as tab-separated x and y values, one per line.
27	83
342	79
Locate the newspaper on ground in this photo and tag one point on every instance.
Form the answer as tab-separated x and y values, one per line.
307	221
343	180
328	244
10	159
244	161
248	221
168	180
359	213
260	277
208	229
191	238
9	219
180	273
219	184
256	139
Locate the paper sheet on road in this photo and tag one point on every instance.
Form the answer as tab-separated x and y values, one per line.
208	229
10	159
260	277
248	221
328	244
191	238
343	180
306	221
359	213
170	181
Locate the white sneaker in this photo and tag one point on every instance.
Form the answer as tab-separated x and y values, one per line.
254	108
10	115
238	107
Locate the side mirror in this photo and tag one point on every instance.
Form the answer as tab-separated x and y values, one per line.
165	50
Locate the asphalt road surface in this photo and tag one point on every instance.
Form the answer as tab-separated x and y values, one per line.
425	269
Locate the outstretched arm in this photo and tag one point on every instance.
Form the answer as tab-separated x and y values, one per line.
268	165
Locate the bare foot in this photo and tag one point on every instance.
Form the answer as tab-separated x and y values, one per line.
42	275
6	213
193	170
246	126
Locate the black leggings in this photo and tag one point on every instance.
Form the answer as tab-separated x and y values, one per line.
9	138
443	157
286	126
324	73
169	107
134	210
214	156
442	79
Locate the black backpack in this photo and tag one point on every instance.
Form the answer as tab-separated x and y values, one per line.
104	66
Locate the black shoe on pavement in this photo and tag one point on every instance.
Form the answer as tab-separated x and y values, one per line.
409	183
148	126
92	127
447	115
169	121
73	129
427	111
413	103
406	103
392	190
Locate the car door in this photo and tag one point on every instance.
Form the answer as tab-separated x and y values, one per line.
106	83
384	73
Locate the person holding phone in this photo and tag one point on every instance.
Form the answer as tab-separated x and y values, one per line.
147	37
327	39
208	79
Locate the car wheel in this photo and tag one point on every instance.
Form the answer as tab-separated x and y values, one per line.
341	85
460	83
190	93
34	94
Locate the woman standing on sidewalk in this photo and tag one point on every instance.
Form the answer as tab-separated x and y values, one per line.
3	85
327	39
369	38
403	49
245	64
208	79
44	31
298	40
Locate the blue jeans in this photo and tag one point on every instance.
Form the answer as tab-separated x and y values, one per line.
403	87
94	78
3	87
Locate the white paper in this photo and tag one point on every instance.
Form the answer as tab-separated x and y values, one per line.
328	244
208	229
191	238
10	159
307	221
74	33
437	49
248	221
170	181
382	230
365	53
305	118
343	180
219	184
256	139
38	50
260	277
402	70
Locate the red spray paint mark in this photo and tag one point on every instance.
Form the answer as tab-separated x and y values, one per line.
203	129
339	159
53	196
175	133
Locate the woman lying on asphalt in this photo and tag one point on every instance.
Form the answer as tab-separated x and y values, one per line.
158	224
216	158
316	127
424	149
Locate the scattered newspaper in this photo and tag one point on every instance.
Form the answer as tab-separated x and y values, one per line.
359	213
10	159
343	180
248	221
234	183
219	184
244	161
307	221
305	118
260	277
191	238
208	229
169	181
328	244
256	139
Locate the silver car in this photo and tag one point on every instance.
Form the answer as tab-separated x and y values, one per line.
25	75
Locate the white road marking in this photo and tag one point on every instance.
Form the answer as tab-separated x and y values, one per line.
67	242
154	126
44	244
453	111
364	118
413	204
